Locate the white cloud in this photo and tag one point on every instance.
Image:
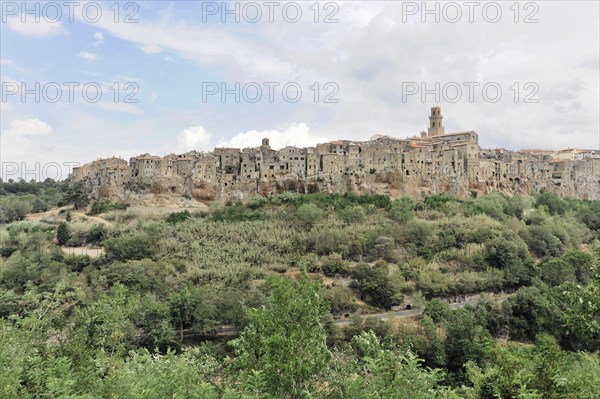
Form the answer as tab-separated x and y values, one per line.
99	38
151	49
31	27
194	138
26	141
198	138
87	56
296	134
27	127
203	45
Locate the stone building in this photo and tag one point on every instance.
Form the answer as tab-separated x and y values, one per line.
427	163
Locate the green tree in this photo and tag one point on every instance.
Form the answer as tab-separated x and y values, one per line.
97	233
555	205
285	342
433	353
308	214
136	245
182	304
437	310
402	210
353	214
375	370
512	257
557	271
63	233
178	217
76	195
528	313
582	315
465	341
582	263
373	283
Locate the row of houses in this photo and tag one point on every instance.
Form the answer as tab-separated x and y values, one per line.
432	156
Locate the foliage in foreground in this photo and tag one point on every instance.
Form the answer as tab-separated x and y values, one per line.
142	320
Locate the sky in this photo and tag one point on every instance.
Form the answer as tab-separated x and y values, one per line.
86	80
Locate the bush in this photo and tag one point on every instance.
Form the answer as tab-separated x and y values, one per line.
373	283
556	271
99	207
353	214
437	310
334	264
131	246
341	300
555	205
63	234
402	209
308	214
541	242
178	217
96	234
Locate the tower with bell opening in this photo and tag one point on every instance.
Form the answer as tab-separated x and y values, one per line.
435	123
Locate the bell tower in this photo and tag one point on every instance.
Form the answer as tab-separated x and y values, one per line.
435	123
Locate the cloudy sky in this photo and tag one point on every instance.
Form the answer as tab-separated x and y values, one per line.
165	77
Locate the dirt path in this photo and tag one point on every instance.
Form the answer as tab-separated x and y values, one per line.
55	215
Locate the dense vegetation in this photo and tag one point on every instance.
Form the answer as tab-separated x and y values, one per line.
153	316
17	199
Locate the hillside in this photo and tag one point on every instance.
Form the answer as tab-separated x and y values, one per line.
307	275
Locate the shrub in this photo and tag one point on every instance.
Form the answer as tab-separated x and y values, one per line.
555	205
308	214
178	217
437	310
63	234
557	271
99	207
402	209
353	214
334	264
341	300
375	286
131	246
96	234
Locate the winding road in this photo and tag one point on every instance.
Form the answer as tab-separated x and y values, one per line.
229	330
415	312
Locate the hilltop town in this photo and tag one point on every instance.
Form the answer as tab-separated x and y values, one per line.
432	162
